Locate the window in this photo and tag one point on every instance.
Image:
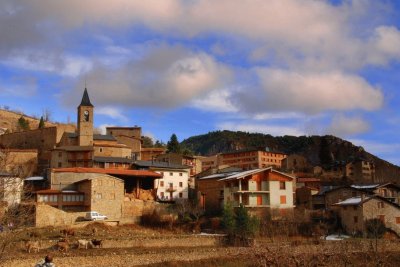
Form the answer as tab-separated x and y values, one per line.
180	184
101	149
397	220
162	195
355	219
381	205
381	218
171	174
161	183
59	165
98	196
282	185
180	195
112	196
180	174
283	199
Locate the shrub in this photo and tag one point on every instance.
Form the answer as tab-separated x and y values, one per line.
375	228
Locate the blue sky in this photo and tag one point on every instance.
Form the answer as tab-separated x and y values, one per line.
281	67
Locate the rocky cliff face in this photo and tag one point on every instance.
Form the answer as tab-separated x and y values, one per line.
322	151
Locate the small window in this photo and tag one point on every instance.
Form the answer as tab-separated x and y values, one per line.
180	174
381	218
98	196
355	219
112	195
397	220
180	184
162	194
161	183
59	165
283	199
282	185
180	195
101	149
381	205
171	174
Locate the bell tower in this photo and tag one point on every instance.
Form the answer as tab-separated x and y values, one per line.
85	121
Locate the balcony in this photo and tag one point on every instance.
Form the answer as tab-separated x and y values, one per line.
171	189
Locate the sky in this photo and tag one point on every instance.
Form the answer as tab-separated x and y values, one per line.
279	67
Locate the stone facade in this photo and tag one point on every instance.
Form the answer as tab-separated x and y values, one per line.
46	215
10	189
104	194
42	140
355	211
213	193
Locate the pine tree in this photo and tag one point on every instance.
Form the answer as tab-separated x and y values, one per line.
228	219
173	145
41	123
23	124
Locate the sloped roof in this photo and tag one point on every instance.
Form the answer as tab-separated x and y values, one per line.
243	174
85	100
218	175
105	137
113	159
125	172
159	164
354	201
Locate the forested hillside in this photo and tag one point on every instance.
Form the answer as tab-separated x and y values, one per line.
319	150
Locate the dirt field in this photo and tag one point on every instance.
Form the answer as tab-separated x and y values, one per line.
137	246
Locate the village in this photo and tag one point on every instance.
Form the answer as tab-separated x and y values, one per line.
65	177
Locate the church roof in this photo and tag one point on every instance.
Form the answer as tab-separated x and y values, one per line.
85	99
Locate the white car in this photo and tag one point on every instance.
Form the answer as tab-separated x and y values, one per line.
95	216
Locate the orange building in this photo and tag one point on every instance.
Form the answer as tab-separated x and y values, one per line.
252	159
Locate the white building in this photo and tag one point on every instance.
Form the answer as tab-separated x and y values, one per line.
175	181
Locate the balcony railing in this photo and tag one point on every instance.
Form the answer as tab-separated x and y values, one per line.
171	189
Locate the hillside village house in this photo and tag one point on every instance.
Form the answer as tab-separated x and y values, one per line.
262	190
361	170
193	161
150	153
211	190
354	211
174	181
388	190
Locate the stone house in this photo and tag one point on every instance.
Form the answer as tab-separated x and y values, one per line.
150	153
388	190
262	190
361	171
98	192
354	211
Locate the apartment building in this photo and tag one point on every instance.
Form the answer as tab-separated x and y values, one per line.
248	159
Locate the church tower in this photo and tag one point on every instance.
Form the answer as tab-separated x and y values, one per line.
85	121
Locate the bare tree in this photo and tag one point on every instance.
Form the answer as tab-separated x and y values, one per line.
14	215
47	114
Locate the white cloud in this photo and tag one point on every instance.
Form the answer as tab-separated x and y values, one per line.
344	126
284	90
217	101
274	130
166	77
112	112
103	127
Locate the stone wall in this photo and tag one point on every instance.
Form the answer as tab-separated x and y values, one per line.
211	188
49	216
136	207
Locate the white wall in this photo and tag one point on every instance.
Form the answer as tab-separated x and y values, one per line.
276	193
175	177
